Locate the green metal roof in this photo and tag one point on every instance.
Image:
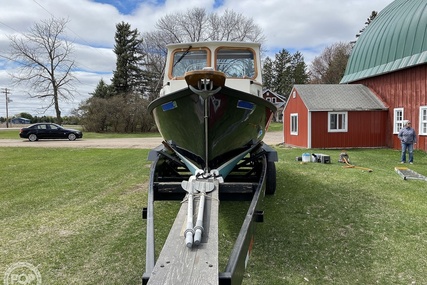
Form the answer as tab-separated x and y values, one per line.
396	39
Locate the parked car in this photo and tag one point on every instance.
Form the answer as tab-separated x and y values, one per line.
49	131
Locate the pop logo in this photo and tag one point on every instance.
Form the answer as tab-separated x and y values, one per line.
22	273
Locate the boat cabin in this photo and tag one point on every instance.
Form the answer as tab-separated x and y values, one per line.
239	61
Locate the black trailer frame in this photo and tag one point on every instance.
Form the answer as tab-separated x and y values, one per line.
252	178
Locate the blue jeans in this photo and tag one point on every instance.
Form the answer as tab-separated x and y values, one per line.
410	148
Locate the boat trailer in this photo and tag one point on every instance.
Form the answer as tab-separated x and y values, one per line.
190	252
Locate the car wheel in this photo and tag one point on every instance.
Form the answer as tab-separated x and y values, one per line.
72	137
32	137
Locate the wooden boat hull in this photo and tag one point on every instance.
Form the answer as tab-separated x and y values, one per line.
236	122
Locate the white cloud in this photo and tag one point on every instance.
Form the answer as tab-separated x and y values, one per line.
304	25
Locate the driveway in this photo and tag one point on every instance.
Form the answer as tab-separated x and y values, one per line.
271	138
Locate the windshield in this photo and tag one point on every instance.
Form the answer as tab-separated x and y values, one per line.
236	62
184	61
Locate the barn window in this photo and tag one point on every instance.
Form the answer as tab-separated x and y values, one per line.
397	120
337	122
423	120
294	124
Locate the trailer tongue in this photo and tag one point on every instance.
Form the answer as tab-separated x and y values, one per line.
190	253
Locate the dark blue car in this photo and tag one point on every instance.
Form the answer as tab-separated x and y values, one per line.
49	131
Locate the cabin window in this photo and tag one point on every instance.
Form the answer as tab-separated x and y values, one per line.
188	60
237	63
397	120
337	122
294	124
423	120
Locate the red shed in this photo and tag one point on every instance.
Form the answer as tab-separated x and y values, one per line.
334	116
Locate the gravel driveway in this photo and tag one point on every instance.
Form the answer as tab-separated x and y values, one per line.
271	138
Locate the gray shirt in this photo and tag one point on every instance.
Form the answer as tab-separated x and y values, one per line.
407	135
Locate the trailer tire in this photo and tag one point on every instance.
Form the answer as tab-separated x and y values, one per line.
270	185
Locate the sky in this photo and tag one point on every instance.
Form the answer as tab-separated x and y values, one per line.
307	26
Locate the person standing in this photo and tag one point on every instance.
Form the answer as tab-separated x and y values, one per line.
408	138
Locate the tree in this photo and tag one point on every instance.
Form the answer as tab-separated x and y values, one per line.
102	90
45	62
128	74
299	69
196	25
286	70
121	106
329	66
267	74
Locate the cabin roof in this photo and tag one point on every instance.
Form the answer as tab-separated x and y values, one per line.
213	44
338	97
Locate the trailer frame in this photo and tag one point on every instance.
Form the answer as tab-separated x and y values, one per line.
252	178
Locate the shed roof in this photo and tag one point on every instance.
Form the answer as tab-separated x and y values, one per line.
396	39
338	97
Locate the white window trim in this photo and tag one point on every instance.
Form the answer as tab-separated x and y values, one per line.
293	133
342	130
397	124
423	122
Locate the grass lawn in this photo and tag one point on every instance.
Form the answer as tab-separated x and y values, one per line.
76	215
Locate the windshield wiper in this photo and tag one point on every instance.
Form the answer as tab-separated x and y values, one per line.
182	56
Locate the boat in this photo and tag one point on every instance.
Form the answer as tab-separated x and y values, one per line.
210	111
213	118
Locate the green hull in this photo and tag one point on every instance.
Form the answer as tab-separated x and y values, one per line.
236	122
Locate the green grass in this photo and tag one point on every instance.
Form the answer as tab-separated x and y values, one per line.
76	215
275	127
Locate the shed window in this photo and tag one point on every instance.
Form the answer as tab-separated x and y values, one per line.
397	120
337	122
294	124
423	120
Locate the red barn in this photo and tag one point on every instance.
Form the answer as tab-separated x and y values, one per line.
390	60
334	116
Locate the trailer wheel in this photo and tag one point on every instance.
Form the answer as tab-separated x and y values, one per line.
270	185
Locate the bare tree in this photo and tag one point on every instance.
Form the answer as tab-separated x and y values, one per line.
329	66
197	25
44	62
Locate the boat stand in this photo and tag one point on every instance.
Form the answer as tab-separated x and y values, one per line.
179	263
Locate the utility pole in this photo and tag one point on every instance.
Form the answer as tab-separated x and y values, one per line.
6	92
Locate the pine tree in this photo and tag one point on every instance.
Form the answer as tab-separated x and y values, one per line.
286	70
128	76
102	90
282	69
267	74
